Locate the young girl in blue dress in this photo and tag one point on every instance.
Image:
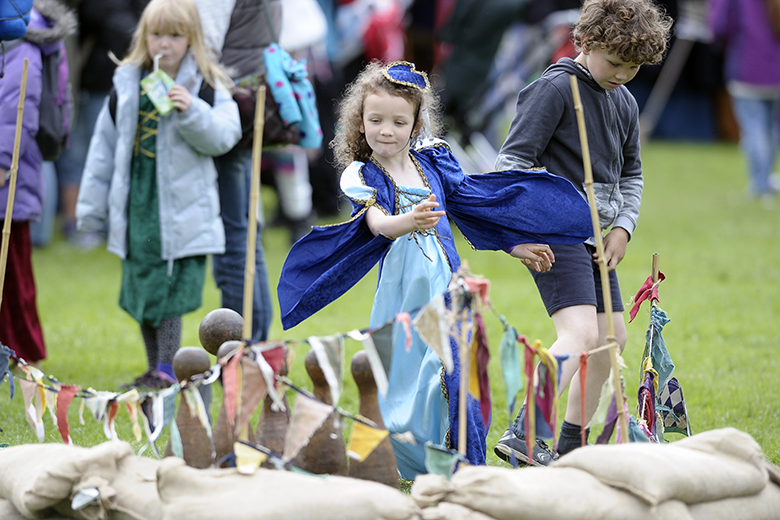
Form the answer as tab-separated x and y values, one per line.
401	182
151	177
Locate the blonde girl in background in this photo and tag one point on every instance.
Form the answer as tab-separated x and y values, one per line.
152	178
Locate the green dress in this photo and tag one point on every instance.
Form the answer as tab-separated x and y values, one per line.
149	294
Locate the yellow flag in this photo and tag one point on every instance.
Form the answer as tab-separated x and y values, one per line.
248	459
363	440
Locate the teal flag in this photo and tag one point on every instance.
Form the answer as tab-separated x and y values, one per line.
510	365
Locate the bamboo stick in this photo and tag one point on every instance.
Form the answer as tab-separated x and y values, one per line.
251	230
465	358
656	270
9	209
607	294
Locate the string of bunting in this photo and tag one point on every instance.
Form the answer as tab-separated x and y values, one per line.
151	412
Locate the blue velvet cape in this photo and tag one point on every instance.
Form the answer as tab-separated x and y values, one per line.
494	211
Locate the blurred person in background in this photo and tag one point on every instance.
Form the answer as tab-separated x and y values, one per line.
748	32
50	22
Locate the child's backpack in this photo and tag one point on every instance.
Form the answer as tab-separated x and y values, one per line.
55	108
14	17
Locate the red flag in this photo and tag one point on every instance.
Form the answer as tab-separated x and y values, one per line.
64	399
230	385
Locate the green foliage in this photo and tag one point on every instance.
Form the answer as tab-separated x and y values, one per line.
718	249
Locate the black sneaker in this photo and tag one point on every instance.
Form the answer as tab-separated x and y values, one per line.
510	444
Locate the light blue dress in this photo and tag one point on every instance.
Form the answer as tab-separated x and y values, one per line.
414	271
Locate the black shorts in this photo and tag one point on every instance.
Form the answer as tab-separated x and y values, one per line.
575	279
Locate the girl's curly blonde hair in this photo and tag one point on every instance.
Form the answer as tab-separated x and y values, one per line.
350	143
636	31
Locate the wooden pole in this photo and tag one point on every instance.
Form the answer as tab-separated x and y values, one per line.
656	261
464	353
9	209
611	339
251	229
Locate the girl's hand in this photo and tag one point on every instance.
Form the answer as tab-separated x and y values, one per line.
181	98
538	257
423	215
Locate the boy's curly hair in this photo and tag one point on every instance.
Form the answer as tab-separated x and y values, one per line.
636	31
350	143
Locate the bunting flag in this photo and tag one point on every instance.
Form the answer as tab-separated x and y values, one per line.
364	440
66	394
269	373
308	415
131	400
248	459
406	322
440	460
655	347
197	407
610	415
646	402
97	404
374	359
32	406
479	383
230	378
649	290
5	355
432	326
510	365
638	432
330	356
383	341
253	391
602	415
546	394
109	428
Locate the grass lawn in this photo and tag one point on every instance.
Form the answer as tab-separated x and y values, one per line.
719	251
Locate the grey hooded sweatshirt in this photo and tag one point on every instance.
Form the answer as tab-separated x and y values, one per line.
544	133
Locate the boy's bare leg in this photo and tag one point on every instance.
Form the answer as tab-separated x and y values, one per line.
598	372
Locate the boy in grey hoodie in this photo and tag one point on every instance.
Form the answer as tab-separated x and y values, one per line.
614	38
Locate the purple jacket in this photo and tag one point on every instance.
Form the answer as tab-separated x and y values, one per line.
752	50
50	22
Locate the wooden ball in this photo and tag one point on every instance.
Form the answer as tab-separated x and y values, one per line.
219	326
228	347
189	361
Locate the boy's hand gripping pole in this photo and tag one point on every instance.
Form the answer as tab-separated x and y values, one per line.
611	339
9	209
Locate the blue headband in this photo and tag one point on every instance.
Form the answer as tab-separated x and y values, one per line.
404	73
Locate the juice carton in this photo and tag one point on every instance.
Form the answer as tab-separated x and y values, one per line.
157	84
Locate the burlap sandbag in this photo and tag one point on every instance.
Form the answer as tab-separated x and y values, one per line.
763	506
38	477
449	511
206	494
136	490
9	512
708	466
530	494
